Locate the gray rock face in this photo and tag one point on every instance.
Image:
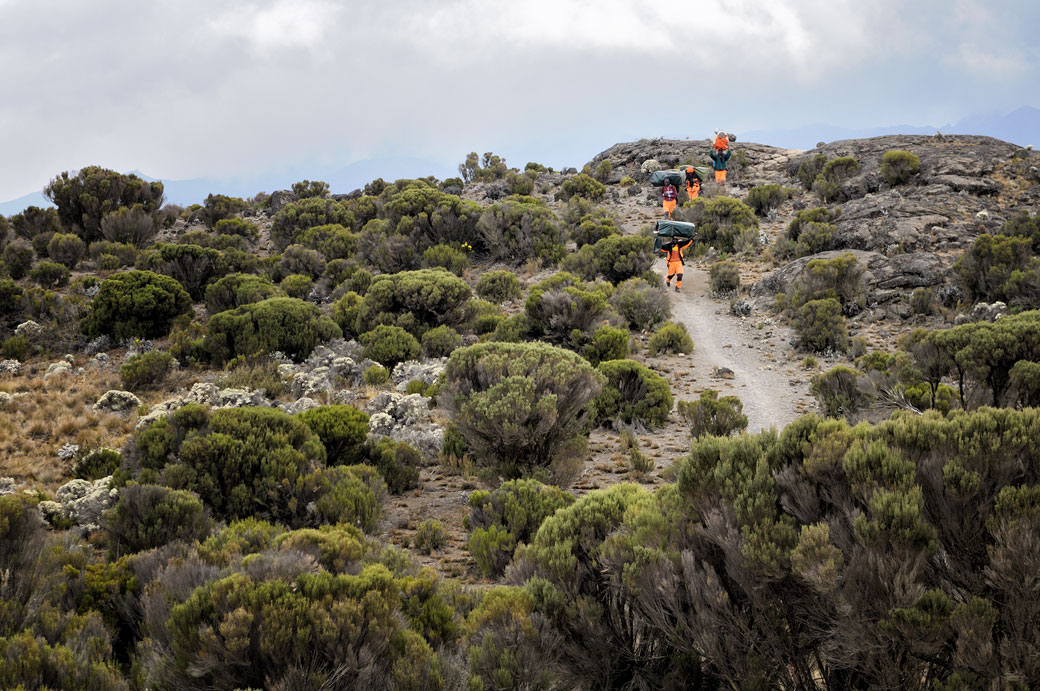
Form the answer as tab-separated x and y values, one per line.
300	406
116	401
427	371
405	418
83	502
404	409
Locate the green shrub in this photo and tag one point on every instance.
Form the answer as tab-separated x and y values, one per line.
511	329
126	253
584	186
66	249
840	392
236	226
389	345
827	184
514	231
607	343
136	304
414	300
375	375
440	341
97	464
192	266
130	225
148	516
521	407
714	416
810	169
397	462
87	196
499	286
640	462
49	275
296	217
897	166
297	259
109	262
671	337
922	301
146	370
15	348
220	207
643	305
235	290
430	537
723	222
342	430
507	516
725	277
593	227
446	257
287	325
562	305
765	198
622	257
633	394
297	286
820	327
840	278
1000	267
18	258
582	263
10	297
345	313
37	226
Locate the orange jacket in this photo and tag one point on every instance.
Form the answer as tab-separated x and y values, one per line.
675	254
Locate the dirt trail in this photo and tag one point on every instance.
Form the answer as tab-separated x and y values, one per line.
773	389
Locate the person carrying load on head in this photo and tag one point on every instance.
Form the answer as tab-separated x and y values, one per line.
672	251
721	142
693	183
718	162
669	197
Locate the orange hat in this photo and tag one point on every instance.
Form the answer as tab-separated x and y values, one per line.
689	169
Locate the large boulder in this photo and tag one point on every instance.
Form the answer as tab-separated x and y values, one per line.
82	502
117	401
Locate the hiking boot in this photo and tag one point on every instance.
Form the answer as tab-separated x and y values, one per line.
677	289
667	284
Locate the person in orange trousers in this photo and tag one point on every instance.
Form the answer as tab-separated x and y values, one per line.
718	161
693	183
673	254
669	196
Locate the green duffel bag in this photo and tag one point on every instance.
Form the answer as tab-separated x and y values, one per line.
659	177
667	229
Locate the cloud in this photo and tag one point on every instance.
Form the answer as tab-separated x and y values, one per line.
278	25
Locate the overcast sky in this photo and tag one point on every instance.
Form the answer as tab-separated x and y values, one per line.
192	88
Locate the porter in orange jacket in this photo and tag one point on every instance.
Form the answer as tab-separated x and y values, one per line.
693	183
673	253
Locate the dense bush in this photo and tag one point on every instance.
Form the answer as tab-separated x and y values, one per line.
85	197
220	207
811	231
287	325
297	286
499	286
10	297
632	394
514	231
820	327
430	537
841	392
18	258
1000	267
97	464
643	305
66	249
584	186
136	304
146	370
236	226
445	257
345	313
521	407
296	217
671	337
133	225
389	345
342	430
501	519
594	226
49	275
397	462
37	226
148	516
809	169
235	290
297	259
827	184
840	278
897	166
714	416
414	300
375	375
725	277
194	267
764	198
722	222
607	343
126	253
440	341
622	257
562	305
